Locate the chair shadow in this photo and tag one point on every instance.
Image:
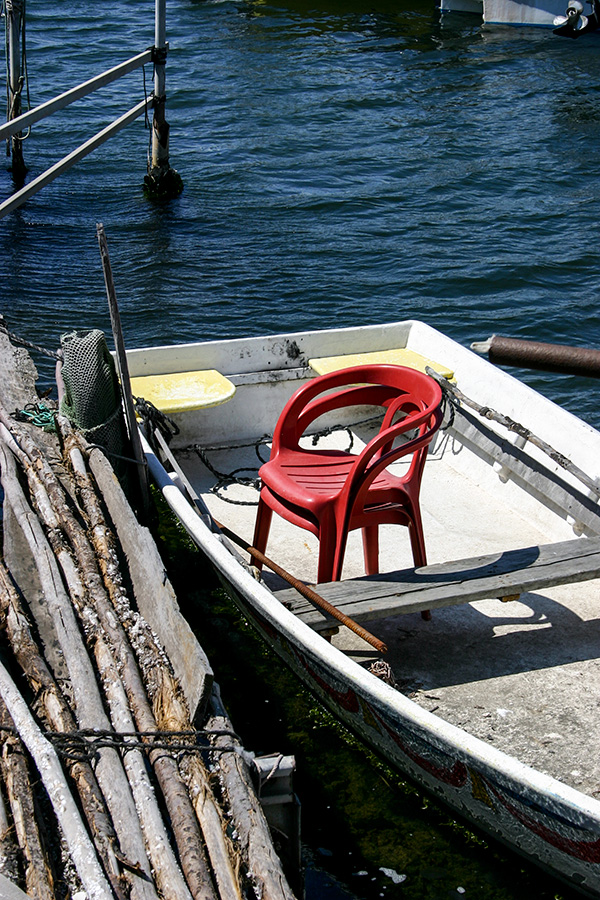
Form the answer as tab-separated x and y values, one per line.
478	641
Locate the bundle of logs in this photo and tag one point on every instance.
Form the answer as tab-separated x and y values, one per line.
107	789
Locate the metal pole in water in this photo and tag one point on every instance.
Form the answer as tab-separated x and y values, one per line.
161	181
16	79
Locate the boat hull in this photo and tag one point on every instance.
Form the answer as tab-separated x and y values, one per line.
538	816
510	12
560	838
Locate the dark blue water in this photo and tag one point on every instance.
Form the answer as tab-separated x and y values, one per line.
344	163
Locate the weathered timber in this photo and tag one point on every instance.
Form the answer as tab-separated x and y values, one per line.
39	882
536	355
564	498
55	712
169	707
9	850
154	595
80	846
78	565
252	829
88	702
167	873
94	607
449	584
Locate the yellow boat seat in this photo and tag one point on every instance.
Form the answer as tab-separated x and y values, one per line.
179	392
397	357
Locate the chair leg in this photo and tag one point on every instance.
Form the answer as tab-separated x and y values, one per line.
331	550
264	514
417	542
370	537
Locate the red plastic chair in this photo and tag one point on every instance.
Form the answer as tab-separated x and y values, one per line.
332	492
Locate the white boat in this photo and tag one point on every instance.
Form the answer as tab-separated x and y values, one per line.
495	711
549	13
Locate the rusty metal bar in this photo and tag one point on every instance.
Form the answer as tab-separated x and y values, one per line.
533	355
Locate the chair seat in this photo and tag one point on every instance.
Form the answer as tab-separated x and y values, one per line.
314	479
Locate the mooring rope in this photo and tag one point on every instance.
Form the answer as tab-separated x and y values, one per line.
38	414
155	419
23	343
84	744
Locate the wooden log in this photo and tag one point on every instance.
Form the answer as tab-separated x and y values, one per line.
561	358
55	712
93	603
80	847
152	589
253	834
9	850
38	876
167	873
168	704
89	705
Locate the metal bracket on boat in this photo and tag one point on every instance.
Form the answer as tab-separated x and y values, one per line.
273	776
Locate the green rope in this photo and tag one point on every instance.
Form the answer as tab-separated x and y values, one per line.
37	414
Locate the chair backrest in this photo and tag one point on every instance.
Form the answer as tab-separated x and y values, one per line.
396	388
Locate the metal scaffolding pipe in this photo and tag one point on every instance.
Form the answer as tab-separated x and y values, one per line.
50	174
161	181
81	90
16	79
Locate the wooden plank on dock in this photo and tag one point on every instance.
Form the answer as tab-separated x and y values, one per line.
449	584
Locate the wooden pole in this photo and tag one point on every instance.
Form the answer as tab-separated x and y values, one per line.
561	358
14	21
123	370
88	701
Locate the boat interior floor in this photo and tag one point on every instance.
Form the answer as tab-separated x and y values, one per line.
522	675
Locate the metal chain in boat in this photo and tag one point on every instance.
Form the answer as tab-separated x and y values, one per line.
225	479
449	405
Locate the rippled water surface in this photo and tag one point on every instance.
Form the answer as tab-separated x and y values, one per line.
344	163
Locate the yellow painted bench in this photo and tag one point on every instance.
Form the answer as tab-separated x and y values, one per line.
397	357
179	392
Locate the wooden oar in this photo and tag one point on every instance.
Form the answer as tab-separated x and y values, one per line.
302	588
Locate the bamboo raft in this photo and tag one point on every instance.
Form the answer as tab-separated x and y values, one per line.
120	773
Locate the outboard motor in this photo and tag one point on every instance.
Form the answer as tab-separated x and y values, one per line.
574	23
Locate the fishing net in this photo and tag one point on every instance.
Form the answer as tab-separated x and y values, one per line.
92	399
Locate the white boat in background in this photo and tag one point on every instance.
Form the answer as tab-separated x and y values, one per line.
491	706
577	17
